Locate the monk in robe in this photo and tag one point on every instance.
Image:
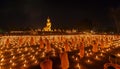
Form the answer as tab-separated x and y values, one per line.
20	40
53	40
47	64
41	43
7	42
102	44
95	46
64	60
81	49
67	48
48	45
32	41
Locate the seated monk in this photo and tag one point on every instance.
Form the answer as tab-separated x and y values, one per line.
64	60
46	64
111	66
67	48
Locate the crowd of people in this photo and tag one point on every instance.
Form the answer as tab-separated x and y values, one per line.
60	45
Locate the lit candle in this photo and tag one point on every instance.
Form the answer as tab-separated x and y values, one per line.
12	53
73	57
101	54
23	55
33	58
103	51
19	52
78	66
2	59
13	64
76	58
89	50
91	53
88	61
107	49
2	56
13	57
39	50
24	65
33	51
43	54
36	53
28	53
25	61
36	62
22	58
1	64
85	51
26	49
78	53
87	54
96	57
10	61
118	55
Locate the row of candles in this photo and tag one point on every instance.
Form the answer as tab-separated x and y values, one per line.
18	60
97	57
22	52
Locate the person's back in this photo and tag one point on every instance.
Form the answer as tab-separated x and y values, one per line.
47	64
64	60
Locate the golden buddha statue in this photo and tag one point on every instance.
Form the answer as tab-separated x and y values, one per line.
48	25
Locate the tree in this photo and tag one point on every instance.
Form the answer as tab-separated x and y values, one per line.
116	18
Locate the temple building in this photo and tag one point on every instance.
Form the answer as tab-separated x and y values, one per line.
48	25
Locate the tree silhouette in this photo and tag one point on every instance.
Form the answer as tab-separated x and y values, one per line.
116	17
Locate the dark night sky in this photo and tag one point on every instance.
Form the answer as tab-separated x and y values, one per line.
64	14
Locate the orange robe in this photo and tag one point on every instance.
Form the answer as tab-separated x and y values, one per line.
67	48
47	64
41	44
7	42
64	60
116	66
81	49
48	46
20	40
95	47
32	41
102	44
